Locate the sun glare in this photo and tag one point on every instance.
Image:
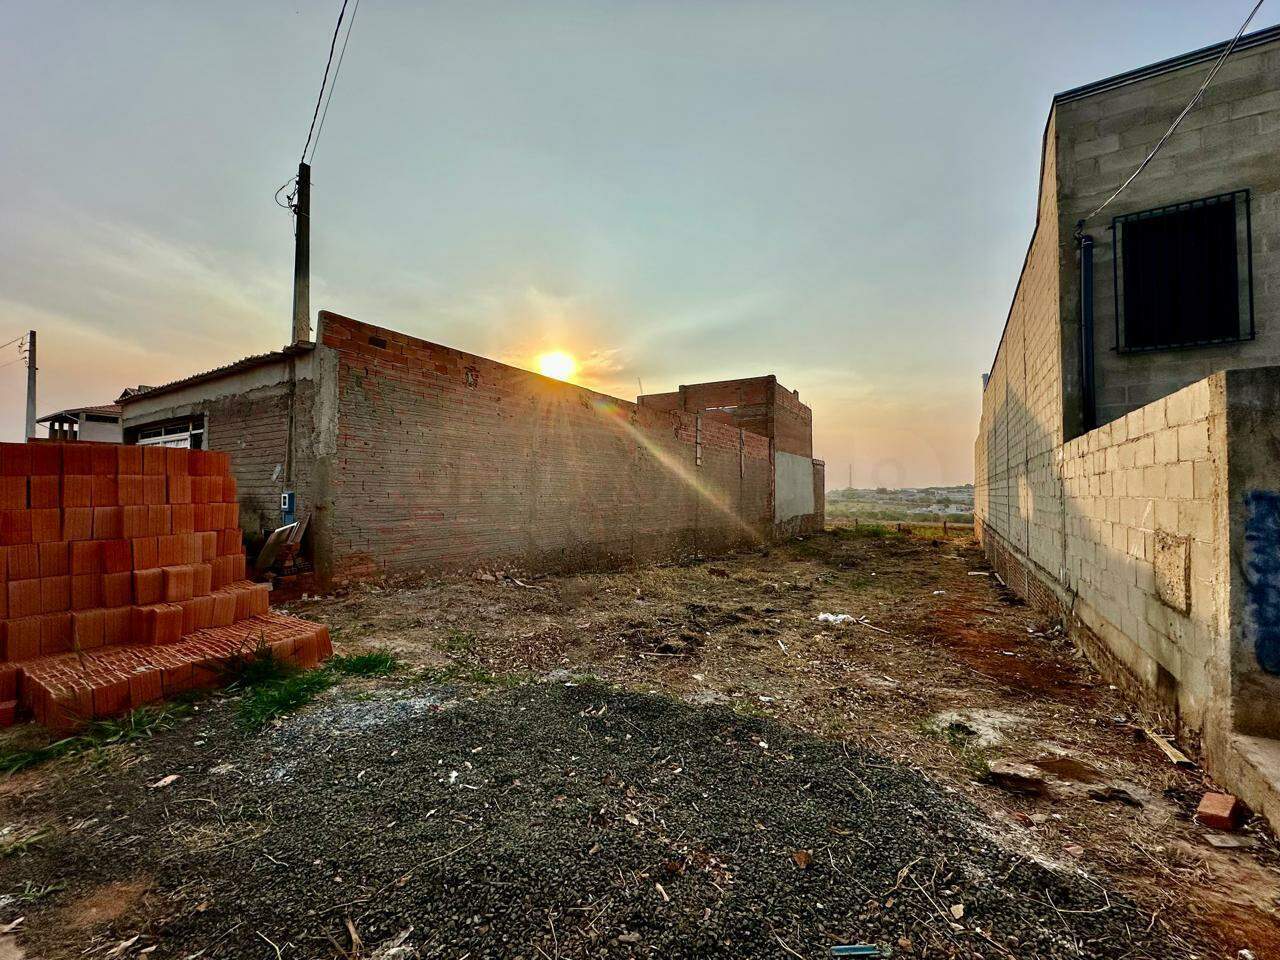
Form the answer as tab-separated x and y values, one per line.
557	364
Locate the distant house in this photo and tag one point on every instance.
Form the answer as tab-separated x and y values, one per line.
407	455
1128	457
101	423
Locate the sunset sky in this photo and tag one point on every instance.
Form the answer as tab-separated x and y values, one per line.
839	193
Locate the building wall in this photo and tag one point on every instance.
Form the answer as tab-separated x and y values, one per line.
1017	488
247	415
793	486
759	404
98	431
1228	142
445	459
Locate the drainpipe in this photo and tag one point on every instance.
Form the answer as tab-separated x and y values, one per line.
1089	405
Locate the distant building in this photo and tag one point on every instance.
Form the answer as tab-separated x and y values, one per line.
407	455
101	423
1128	457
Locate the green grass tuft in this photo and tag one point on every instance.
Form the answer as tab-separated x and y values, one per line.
265	701
18	845
375	663
136	725
273	688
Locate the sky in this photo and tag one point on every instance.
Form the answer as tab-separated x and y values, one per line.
836	192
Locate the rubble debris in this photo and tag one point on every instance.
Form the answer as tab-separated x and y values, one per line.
1222	811
836	618
1014	777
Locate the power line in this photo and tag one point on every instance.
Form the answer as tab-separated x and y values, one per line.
21	336
336	70
324	80
1185	110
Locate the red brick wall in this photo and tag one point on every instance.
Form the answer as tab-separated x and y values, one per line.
758	404
445	459
792	423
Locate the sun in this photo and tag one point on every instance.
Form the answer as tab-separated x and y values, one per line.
557	364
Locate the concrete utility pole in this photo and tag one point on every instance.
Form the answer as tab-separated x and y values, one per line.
301	258
31	385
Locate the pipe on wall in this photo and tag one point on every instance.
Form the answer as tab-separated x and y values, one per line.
1089	406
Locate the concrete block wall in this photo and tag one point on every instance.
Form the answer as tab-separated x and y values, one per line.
445	459
1017	490
1145	566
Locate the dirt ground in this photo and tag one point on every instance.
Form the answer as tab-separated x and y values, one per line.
833	781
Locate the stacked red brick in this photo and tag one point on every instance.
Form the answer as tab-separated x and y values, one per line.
123	575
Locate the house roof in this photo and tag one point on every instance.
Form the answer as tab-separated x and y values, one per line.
1204	54
104	410
238	366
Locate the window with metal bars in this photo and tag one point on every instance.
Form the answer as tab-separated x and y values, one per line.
1184	274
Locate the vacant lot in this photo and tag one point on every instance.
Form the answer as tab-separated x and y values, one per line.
680	761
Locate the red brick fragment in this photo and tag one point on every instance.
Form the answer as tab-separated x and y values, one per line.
1222	811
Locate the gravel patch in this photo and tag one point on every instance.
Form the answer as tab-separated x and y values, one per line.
556	820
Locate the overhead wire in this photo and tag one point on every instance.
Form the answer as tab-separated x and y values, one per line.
324	82
336	71
1177	120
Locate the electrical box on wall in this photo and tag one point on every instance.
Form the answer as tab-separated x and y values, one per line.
288	507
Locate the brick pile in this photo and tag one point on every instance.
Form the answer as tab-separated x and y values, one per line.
123	576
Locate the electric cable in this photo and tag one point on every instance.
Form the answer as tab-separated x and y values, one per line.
1174	126
324	82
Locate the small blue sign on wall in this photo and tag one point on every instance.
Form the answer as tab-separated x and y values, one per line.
1262	575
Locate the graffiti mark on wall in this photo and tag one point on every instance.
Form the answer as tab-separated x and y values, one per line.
1262	575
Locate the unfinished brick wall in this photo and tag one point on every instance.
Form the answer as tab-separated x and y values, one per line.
758	404
123	575
445	459
254	429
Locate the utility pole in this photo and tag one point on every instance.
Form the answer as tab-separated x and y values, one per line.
31	385
301	258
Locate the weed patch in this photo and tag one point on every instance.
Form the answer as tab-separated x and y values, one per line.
273	688
136	725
